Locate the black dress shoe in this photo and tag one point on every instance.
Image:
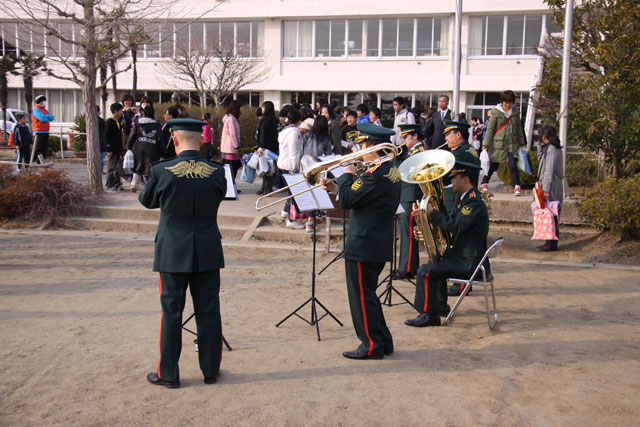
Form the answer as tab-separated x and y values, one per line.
399	275
425	319
388	351
153	378
444	312
361	355
210	380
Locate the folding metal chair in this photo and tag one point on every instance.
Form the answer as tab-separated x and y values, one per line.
486	283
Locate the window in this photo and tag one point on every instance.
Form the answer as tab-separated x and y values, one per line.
504	35
243	39
354	40
226	36
152	47
338	38
8	38
182	38
166	40
66	49
212	34
405	37
37	39
297	39
389	37
323	38
257	39
197	36
372	34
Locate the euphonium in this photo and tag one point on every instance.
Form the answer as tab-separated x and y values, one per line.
427	169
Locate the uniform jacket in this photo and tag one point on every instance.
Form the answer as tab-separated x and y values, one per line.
188	190
411	192
404	117
22	136
469	223
230	138
373	199
290	147
550	171
41	118
465	153
508	139
435	127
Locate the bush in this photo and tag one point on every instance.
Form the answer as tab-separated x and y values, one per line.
581	171
614	205
79	141
248	122
53	145
37	194
527	180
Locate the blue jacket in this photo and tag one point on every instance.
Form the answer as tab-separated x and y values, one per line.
363	119
22	136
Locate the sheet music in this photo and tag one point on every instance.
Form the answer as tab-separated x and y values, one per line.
232	193
400	210
337	170
316	199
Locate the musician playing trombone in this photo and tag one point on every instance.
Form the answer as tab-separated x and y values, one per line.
373	198
468	222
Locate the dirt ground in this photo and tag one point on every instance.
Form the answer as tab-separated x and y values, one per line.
80	319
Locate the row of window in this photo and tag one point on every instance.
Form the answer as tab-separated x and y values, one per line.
369	37
337	38
166	40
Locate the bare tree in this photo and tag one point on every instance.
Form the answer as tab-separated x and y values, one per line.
80	56
215	72
30	66
7	66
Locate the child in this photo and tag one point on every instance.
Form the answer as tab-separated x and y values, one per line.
23	140
207	137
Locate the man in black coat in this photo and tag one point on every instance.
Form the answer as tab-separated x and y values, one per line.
373	199
188	251
469	224
435	127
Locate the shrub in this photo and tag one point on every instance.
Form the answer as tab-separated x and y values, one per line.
79	141
248	122
36	194
527	180
581	171
53	145
614	205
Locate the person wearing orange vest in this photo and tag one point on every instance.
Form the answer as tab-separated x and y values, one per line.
41	118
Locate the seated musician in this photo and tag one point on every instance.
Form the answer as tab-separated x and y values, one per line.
468	223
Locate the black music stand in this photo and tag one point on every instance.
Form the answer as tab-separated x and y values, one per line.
315	320
393	269
344	234
224	340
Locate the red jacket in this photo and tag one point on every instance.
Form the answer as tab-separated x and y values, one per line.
39	126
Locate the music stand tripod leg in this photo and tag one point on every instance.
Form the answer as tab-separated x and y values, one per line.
224	340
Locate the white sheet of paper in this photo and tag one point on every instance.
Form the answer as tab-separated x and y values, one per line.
316	199
336	171
400	210
232	193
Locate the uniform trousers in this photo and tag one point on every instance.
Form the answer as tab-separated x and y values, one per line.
409	255
366	310
205	287
431	288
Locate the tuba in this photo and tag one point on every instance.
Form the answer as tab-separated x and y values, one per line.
427	169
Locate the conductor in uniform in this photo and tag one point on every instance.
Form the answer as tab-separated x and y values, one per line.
188	190
373	199
469	224
409	255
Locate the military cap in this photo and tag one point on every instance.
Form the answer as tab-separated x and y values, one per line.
373	133
192	125
40	98
408	128
468	169
450	125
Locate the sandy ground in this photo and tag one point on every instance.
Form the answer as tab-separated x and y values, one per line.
80	319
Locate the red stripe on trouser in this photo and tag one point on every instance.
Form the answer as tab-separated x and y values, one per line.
461	288
364	313
160	335
410	241
426	292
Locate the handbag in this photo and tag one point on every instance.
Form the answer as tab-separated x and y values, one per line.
248	174
263	166
253	161
128	161
523	160
485	162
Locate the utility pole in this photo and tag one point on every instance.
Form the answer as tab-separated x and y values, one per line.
457	59
564	97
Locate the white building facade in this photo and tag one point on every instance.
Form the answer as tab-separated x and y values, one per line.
350	52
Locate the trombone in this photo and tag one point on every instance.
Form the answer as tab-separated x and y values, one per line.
311	169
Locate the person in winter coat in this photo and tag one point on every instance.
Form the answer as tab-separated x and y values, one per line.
144	141
316	142
504	137
290	143
550	176
41	119
268	139
230	138
23	140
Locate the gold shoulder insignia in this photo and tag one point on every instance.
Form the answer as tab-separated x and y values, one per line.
373	168
393	174
191	169
473	152
466	210
356	184
472	195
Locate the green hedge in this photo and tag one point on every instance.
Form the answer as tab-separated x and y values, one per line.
614	205
248	122
527	180
581	171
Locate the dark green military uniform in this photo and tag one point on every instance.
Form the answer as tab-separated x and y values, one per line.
409	254
373	200
188	252
469	223
463	153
